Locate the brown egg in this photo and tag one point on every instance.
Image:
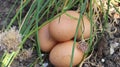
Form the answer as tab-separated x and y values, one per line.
46	41
85	28
63	28
60	55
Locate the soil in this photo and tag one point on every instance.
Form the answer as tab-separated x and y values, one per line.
101	56
5	6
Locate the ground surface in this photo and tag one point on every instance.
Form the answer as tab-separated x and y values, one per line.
101	56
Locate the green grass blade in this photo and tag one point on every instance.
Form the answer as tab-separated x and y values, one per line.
80	17
16	15
13	6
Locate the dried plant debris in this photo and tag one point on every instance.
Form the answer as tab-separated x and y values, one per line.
107	51
25	54
10	40
113	3
25	58
83	46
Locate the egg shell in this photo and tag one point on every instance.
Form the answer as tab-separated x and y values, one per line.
46	41
60	55
63	28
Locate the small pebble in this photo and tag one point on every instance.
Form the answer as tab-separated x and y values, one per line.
113	46
45	64
102	60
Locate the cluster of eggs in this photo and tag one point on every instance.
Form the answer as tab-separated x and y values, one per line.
56	38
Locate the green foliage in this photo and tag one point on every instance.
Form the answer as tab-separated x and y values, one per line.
42	12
